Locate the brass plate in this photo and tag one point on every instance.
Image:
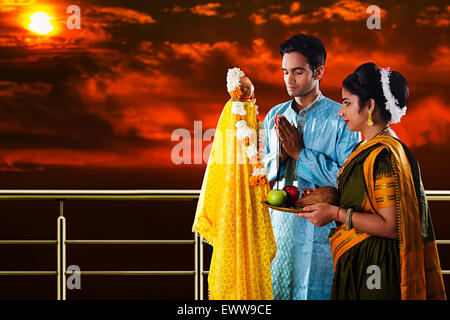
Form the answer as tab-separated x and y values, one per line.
284	209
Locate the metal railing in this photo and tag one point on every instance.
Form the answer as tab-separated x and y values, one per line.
61	242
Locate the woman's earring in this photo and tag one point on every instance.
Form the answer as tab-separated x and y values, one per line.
369	120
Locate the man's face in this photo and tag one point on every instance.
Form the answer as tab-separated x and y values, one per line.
298	76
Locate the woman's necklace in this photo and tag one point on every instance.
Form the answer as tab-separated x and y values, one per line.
378	134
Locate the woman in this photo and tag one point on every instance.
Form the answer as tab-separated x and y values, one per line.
384	246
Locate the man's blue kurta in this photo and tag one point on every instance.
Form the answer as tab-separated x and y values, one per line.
303	267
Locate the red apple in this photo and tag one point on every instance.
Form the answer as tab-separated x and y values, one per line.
292	194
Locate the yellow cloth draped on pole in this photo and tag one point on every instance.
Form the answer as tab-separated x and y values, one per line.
231	215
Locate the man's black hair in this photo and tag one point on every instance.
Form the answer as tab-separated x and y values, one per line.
310	47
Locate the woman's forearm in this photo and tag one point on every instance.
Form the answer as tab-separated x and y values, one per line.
373	224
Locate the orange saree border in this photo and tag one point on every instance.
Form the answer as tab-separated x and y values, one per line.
343	239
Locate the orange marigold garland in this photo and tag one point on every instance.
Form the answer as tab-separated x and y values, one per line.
259	177
236	94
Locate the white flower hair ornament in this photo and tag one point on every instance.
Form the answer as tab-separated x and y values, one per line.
391	102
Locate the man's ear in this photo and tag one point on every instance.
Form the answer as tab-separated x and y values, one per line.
318	73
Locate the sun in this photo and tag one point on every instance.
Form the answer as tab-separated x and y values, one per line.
40	23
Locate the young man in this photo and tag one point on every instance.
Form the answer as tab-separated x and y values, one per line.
315	143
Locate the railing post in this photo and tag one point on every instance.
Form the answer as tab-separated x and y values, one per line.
196	276
201	267
61	254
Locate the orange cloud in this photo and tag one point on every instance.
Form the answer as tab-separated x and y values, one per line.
209	9
9	93
10	89
144	102
441	61
8	6
258	60
8	42
113	14
347	10
7	9
257	18
153	123
38	159
295	6
428	123
287	19
199	52
178	9
435	17
343	59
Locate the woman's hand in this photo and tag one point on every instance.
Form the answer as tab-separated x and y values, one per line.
381	224
319	214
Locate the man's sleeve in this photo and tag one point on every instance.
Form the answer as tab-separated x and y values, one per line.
319	169
271	157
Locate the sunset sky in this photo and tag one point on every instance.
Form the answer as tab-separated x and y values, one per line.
96	107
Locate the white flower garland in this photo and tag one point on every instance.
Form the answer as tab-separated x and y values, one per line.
251	151
233	79
261	141
391	102
243	131
259	171
237	107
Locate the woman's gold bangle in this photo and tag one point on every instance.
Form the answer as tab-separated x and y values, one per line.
348	219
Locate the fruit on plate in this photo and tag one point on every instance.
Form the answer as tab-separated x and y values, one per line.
292	195
318	195
277	198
